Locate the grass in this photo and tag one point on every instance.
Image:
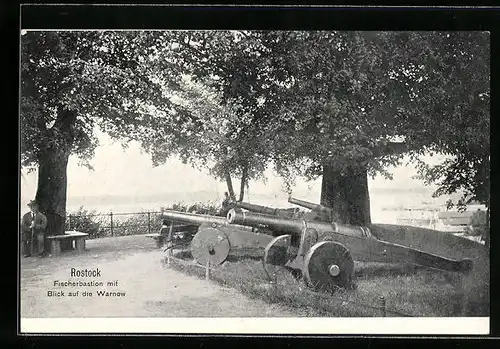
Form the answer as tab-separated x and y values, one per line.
408	290
422	292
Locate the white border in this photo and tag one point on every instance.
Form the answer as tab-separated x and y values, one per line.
314	326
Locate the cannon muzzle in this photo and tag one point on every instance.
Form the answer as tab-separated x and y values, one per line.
192	218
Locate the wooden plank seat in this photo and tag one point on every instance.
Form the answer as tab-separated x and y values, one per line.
76	236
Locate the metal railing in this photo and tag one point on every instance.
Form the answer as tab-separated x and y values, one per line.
115	224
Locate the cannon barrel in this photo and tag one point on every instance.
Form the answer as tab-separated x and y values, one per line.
265	209
292	225
256	208
192	218
309	205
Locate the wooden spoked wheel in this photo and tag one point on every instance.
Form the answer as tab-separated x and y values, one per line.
327	266
210	244
276	254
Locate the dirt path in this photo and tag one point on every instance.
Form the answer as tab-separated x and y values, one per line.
151	289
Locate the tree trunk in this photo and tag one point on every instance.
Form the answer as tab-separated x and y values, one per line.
52	171
52	185
229	184
346	192
244	176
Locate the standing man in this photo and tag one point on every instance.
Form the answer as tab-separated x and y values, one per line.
33	226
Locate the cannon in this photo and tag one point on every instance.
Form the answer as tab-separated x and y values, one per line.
280	212
192	218
318	212
215	237
324	253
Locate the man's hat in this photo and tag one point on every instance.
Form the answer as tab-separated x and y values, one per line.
33	203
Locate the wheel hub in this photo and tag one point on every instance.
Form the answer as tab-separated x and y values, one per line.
334	270
210	244
211	249
327	266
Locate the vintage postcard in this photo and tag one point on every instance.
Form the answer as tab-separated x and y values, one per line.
237	181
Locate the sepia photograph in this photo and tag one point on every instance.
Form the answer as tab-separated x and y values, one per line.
254	181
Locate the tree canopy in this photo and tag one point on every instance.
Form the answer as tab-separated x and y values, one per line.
72	83
367	98
99	76
228	97
350	99
311	103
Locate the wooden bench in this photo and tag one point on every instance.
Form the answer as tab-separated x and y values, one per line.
76	236
161	237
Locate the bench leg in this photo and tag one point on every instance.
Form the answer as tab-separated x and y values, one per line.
159	242
55	247
80	244
66	245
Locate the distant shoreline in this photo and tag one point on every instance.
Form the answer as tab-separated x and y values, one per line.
381	200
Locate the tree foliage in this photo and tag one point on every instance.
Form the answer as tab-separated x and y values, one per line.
339	110
100	76
306	99
367	98
73	83
223	106
450	113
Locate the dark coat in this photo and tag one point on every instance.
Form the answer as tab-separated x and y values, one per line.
40	222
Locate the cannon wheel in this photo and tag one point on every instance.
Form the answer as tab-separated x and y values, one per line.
328	265
275	254
212	244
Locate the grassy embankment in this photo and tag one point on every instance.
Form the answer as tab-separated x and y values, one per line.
407	290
